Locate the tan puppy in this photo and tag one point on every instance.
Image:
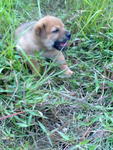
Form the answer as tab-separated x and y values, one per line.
47	36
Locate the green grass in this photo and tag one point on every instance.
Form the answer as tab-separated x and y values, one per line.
58	114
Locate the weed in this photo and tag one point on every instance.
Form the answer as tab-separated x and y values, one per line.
48	112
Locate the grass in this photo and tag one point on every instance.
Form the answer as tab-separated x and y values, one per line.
48	112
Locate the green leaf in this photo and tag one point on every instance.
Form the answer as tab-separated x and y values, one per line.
64	136
84	142
96	83
45	131
24	125
43	128
93	147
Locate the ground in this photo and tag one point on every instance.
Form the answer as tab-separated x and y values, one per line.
51	112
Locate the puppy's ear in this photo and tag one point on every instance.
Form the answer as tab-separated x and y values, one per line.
40	29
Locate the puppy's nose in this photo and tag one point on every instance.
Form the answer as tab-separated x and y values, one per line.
68	35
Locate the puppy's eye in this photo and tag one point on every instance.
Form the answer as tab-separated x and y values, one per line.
55	30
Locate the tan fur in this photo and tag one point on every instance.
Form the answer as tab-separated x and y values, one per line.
37	36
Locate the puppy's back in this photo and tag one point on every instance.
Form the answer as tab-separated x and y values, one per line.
23	28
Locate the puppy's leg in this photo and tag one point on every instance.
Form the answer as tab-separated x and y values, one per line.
59	58
34	66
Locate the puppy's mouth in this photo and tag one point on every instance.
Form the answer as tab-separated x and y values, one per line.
60	45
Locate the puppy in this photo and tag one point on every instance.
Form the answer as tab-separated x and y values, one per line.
47	36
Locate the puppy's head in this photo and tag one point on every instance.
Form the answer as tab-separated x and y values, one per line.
51	33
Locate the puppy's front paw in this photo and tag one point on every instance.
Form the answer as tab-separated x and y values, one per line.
69	73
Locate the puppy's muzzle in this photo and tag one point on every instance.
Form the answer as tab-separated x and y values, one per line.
62	44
